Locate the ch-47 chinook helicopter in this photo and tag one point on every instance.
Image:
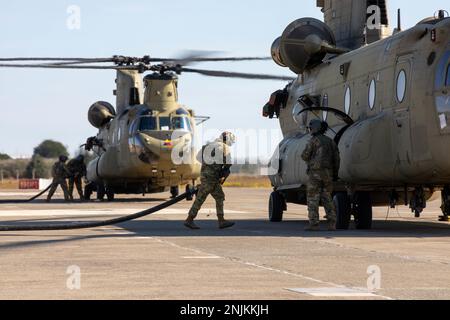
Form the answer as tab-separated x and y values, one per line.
386	99
146	143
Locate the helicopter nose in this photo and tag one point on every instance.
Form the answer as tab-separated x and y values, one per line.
162	145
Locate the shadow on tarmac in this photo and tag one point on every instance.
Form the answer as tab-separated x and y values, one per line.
243	228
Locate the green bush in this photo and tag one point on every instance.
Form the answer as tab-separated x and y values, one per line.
41	166
4	156
50	149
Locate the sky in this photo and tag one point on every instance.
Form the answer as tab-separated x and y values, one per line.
52	104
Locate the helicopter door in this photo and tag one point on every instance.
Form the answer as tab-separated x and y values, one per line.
442	93
402	108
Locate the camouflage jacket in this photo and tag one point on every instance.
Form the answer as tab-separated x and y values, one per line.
59	171
76	168
321	153
215	158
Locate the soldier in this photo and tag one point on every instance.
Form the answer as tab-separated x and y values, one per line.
322	157
77	170
59	174
216	164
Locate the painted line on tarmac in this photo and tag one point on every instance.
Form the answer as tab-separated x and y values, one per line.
259	266
325	292
14	194
202	257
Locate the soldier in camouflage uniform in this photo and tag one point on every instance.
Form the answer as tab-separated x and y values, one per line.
322	157
216	164
77	170
59	174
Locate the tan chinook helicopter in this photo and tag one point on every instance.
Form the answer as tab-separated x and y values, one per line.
386	99
146	144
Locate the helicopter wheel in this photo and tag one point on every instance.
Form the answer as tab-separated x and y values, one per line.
110	194
174	191
343	208
363	211
88	190
276	207
101	191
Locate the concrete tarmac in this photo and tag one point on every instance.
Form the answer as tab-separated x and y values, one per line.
158	258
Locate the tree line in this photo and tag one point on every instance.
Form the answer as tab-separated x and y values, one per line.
40	164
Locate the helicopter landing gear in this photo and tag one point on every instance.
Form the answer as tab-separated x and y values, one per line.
362	210
109	194
343	210
360	205
277	205
174	191
101	192
445	207
418	202
89	189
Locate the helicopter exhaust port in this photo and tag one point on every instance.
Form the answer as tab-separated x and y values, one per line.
100	114
304	44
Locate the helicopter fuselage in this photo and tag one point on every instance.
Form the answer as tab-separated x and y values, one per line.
149	147
396	92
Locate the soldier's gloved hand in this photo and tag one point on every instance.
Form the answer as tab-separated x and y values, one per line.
226	172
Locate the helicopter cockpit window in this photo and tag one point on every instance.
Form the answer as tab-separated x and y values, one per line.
181	123
147	123
164	123
181	111
174	123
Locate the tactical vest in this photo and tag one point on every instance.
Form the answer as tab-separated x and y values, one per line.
323	156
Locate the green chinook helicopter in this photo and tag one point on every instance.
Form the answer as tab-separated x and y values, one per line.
142	139
385	96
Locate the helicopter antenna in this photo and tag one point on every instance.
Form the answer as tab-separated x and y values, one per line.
399	20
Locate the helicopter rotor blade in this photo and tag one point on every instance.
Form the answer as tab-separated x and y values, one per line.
227	74
146	59
56	59
56	66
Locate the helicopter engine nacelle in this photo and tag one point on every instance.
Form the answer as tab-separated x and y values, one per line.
100	113
304	44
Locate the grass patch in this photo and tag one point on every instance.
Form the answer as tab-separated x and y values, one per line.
9	184
241	181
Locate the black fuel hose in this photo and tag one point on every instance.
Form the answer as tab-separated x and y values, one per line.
27	200
95	224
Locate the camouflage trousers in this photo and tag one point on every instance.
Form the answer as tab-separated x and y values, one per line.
59	182
208	187
319	190
77	182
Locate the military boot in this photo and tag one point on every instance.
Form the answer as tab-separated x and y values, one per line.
223	224
313	227
189	223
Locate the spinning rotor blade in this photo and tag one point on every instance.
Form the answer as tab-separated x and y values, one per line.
57	59
56	66
240	75
142	65
145	59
